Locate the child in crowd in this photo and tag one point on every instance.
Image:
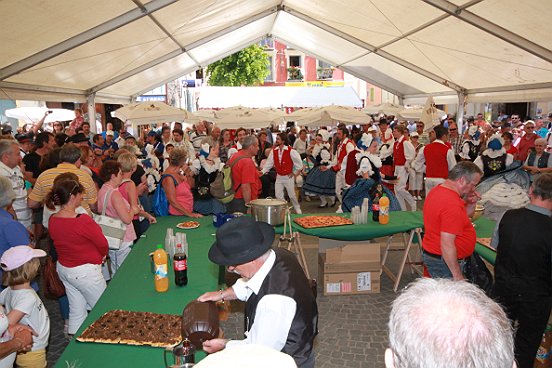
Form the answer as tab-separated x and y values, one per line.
22	304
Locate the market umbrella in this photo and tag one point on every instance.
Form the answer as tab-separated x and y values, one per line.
384	108
32	114
328	115
245	117
149	112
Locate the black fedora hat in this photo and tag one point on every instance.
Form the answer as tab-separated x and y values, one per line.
241	240
77	138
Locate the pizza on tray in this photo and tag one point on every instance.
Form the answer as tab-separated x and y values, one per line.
310	222
188	225
134	328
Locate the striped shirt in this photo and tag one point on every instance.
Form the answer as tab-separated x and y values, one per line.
45	182
19	205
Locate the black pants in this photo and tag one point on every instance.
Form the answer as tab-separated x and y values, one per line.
532	313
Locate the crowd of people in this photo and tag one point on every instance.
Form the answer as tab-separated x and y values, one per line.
54	179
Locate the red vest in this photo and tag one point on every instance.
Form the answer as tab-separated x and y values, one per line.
398	153
436	160
352	167
341	153
284	167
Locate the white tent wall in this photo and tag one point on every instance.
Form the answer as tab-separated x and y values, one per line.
489	50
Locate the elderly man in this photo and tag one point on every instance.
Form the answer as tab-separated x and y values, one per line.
449	234
538	161
70	162
197	136
213	138
10	160
280	309
523	285
245	177
446	324
527	140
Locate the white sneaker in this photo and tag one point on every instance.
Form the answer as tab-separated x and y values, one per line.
307	198
339	210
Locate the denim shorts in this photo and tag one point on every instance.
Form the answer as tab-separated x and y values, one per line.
437	267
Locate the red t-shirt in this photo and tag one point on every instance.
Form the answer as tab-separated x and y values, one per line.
445	211
245	172
77	240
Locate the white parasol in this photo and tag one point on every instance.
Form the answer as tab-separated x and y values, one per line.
32	114
328	115
151	112
245	117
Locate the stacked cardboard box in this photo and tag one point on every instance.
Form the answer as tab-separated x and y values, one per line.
351	269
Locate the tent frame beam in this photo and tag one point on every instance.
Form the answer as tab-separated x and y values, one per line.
374	50
202	41
83	37
492	28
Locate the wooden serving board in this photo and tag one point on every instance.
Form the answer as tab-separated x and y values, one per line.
311	222
134	328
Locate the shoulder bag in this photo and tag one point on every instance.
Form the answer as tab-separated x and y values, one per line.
112	228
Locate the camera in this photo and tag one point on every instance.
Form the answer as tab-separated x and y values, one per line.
50	111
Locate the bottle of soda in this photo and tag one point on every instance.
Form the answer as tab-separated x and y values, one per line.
161	277
384	210
180	263
375	208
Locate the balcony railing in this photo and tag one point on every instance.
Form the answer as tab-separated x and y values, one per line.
324	73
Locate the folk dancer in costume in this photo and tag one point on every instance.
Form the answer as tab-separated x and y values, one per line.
494	159
416	177
403	154
470	148
344	147
364	177
438	159
321	178
288	165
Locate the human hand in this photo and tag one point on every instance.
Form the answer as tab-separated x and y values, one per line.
24	337
214	345
211	296
195	215
472	197
152	219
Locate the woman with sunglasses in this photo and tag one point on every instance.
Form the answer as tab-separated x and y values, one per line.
81	248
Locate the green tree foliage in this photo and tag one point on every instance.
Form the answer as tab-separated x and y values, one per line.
248	67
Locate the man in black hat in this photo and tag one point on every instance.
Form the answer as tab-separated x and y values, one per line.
280	309
80	139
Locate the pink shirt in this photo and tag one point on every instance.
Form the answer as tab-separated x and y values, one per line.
184	197
124	192
130	234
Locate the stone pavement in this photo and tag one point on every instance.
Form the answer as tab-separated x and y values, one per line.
353	329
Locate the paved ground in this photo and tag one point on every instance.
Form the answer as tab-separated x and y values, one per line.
353	329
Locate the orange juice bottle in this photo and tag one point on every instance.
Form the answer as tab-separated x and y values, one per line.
384	210
161	261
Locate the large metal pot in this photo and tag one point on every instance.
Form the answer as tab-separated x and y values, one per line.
269	210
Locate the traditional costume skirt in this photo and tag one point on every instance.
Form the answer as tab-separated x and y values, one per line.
320	182
354	196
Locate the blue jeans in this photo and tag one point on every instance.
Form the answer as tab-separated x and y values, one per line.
437	267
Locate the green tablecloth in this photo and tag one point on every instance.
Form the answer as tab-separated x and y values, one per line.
399	221
484	228
132	288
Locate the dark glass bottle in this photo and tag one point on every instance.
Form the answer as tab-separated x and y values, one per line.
375	208
180	263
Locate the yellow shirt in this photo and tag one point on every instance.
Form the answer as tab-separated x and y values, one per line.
45	182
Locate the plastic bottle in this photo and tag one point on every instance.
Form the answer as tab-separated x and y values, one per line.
180	263
161	277
384	210
375	208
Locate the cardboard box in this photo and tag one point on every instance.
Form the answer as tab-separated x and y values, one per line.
351	269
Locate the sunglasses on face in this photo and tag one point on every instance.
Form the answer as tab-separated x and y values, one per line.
453	129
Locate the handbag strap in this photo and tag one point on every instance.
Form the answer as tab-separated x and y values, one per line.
106	198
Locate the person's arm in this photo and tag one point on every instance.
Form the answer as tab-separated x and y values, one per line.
246	192
123	213
269	163
451	159
21	341
479	162
15	316
38	125
132	193
297	162
419	161
448	252
93	232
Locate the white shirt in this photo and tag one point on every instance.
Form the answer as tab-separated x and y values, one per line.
295	158
36	316
300	146
18	184
419	162
274	313
6	362
409	150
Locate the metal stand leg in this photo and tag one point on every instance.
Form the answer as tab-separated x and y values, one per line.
294	240
406	259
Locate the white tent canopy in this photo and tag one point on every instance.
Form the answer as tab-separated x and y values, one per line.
67	50
257	97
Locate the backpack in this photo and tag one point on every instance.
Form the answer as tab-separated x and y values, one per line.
222	188
160	204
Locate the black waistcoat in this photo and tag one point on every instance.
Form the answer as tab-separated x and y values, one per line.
287	278
492	166
542	162
524	252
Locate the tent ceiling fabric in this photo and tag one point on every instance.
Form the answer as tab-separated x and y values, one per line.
119	49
